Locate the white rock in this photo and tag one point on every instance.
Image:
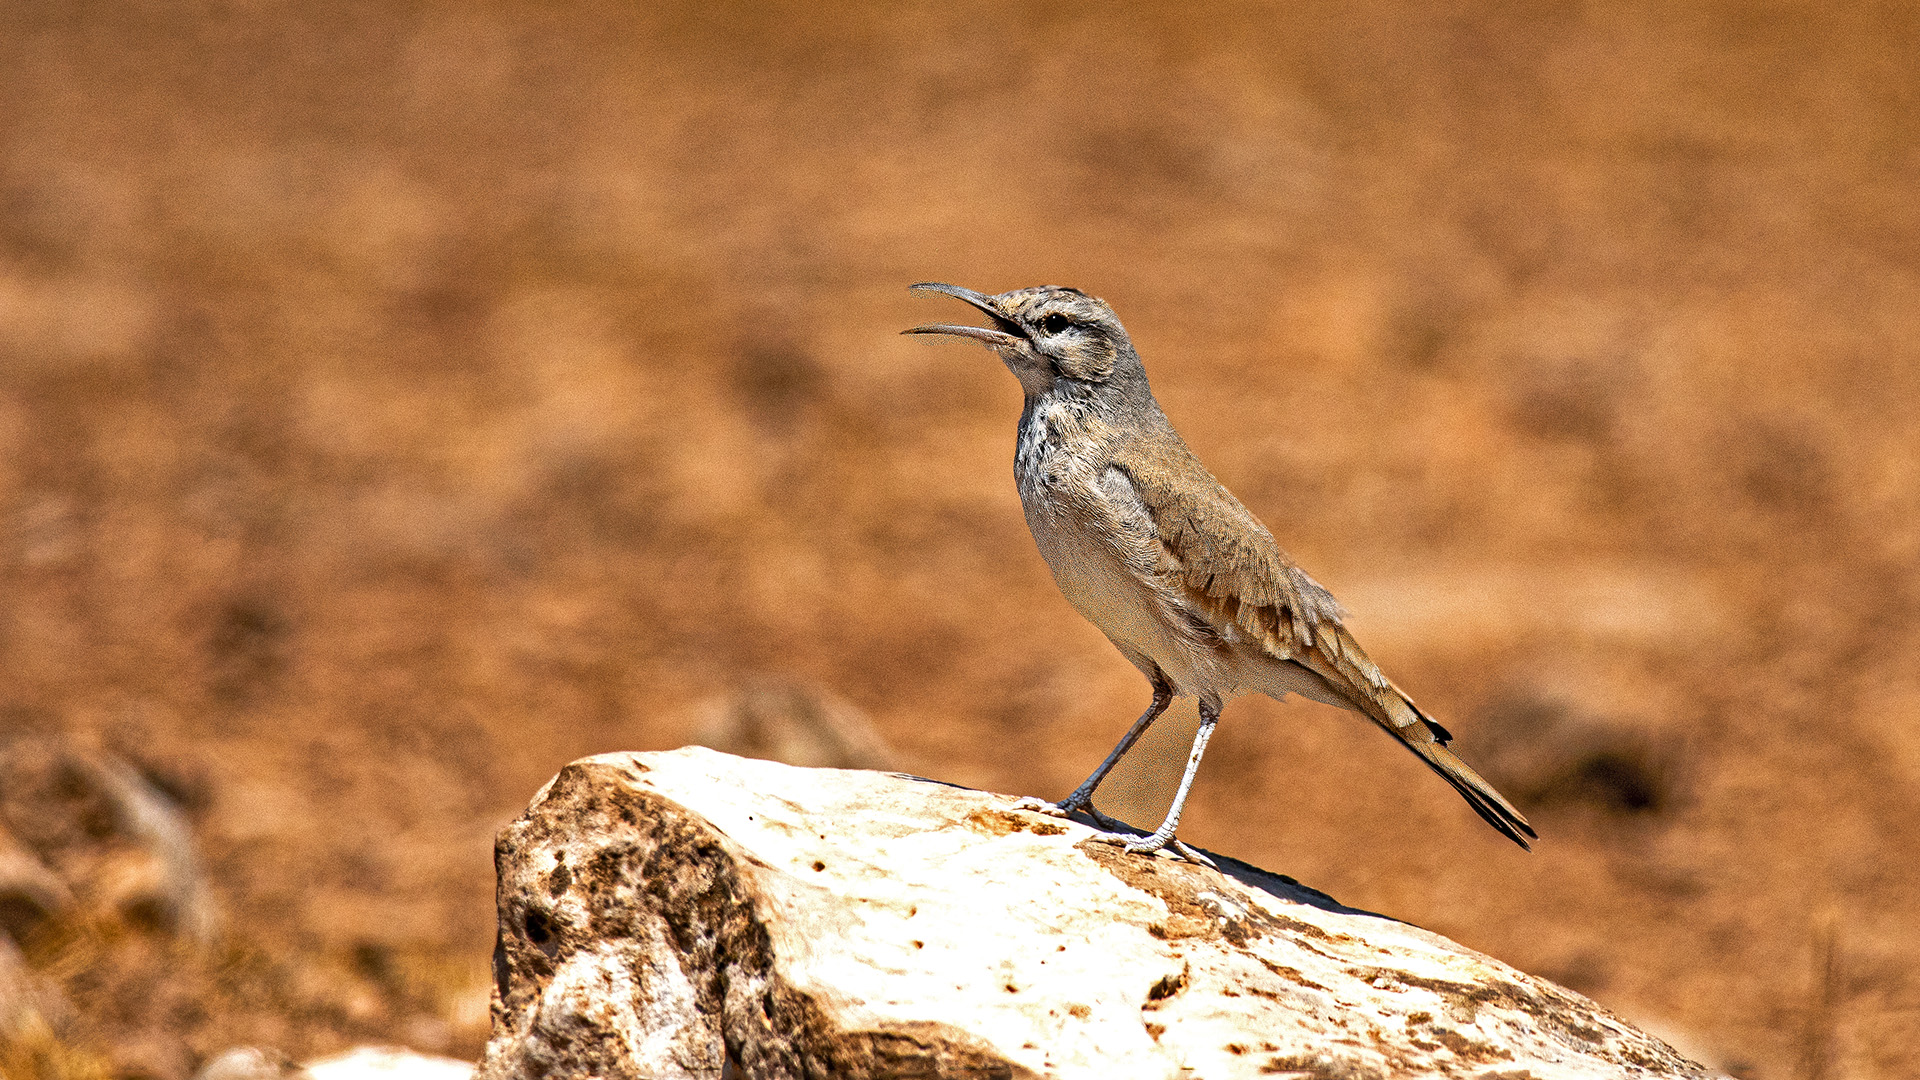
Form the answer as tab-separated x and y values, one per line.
359	1063
386	1063
250	1063
674	915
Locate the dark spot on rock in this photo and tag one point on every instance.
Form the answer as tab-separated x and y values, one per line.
818	865
1469	1050
541	932
559	880
1292	975
917	1049
1168	985
1007	822
1320	1067
1156	1030
1180	885
501	970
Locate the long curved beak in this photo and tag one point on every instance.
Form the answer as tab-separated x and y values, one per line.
1003	332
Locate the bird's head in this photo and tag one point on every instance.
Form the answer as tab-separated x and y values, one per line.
1046	334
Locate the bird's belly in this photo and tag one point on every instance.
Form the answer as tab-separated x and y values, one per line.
1125	608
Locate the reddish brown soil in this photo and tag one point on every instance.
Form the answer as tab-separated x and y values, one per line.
399	400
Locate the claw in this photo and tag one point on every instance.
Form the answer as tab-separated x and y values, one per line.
1042	806
1148	845
1115	831
1067	807
1193	855
1155	843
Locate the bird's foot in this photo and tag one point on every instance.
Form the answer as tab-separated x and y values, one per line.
1115	831
1193	855
1081	799
1075	803
1154	843
1042	806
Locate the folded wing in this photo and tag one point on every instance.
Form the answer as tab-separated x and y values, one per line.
1233	572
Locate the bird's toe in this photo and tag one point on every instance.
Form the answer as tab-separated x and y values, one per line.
1042	806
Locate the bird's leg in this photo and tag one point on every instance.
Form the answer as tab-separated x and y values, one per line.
1163	836
1082	797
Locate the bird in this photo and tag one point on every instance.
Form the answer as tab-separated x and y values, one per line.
1154	551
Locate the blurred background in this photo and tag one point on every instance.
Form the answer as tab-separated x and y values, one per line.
399	400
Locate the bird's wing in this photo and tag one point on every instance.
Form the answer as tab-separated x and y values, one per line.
1226	562
1232	572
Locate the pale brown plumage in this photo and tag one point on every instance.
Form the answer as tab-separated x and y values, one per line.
1153	550
1232	569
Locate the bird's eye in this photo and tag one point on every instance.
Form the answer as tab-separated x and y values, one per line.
1055	323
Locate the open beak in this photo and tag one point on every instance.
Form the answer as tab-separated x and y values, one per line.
1004	331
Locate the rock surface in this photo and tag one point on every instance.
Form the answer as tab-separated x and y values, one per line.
359	1063
387	1063
689	913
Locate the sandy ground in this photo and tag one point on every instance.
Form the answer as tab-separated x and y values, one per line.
400	400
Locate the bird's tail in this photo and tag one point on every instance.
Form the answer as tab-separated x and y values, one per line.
1361	686
1429	740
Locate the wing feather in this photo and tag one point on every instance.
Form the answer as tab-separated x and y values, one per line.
1237	576
1222	554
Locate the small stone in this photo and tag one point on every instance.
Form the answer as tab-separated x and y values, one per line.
250	1063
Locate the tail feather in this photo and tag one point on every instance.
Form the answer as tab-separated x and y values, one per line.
1426	738
1393	710
1488	803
